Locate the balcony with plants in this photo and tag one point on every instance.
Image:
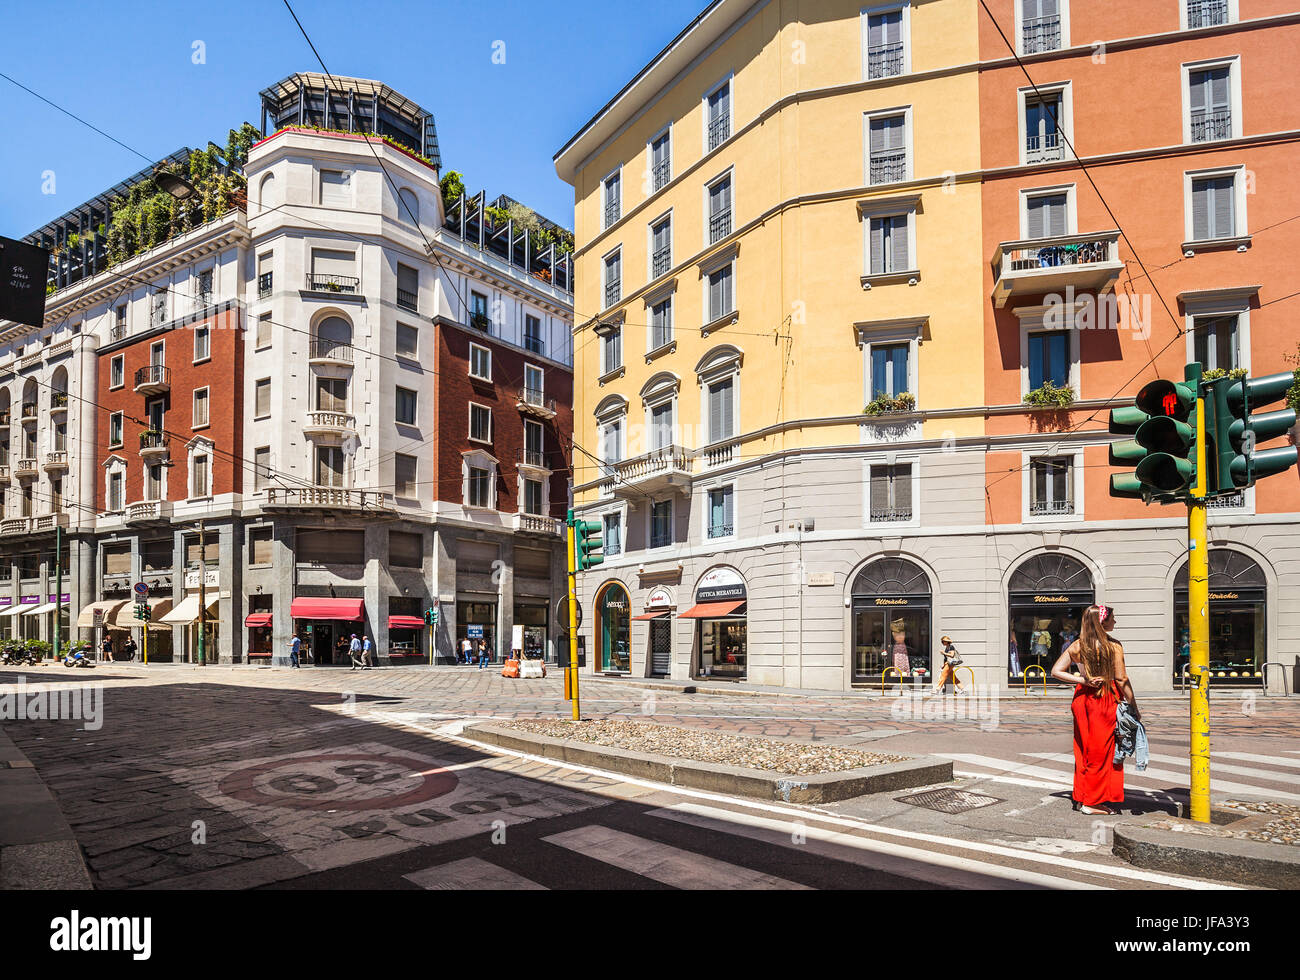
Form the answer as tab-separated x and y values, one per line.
1049	396
885	405
1088	263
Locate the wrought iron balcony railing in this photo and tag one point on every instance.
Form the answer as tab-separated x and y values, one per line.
265	282
534	344
719	226
1041	34
152	375
721	530
887	515
29	411
408	300
885	60
533	457
613	292
661	174
330	350
1056	508
332	284
1206	13
1215	125
58	400
661	262
719	131
888	166
1044	148
612	213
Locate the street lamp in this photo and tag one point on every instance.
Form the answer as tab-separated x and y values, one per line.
175	185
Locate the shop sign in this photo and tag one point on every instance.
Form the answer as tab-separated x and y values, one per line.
719	585
474	631
30	599
893	602
821	579
211	579
66	597
1224	595
1051	599
659	598
6	601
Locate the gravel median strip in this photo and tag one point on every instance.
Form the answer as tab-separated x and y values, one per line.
747	751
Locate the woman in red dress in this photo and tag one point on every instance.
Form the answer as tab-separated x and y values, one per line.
1102	680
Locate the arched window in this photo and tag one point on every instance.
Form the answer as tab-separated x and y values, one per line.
614	610
891	622
267	196
408	206
891	577
1051	573
1048	595
333	336
1238	620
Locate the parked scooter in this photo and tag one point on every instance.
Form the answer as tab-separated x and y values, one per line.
17	655
77	658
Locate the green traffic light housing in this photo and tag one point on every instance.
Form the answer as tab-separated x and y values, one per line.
589	544
1238	433
1162	451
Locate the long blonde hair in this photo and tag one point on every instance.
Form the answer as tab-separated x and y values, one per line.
1096	649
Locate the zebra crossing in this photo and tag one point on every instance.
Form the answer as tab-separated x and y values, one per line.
1253	774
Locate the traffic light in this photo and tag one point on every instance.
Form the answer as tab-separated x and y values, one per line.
1162	451
1238	433
143	611
431	617
590	547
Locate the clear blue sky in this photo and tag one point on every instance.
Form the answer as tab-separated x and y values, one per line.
126	66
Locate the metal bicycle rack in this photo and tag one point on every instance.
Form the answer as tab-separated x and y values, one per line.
1024	681
1286	691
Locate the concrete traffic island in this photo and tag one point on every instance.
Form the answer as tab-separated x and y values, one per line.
780	769
1254	843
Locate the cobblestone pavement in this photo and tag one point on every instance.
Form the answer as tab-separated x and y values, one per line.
247	777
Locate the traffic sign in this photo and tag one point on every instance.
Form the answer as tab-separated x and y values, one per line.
142	589
562	614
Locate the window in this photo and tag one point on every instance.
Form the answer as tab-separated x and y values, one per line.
534	444
480	362
613	278
1209	92
408	206
115	491
117	371
661	523
1049	359
405	406
532	496
200	408
661	426
612	347
613	198
329	467
157	354
661	324
1214	207
262	398
1046	215
1216	344
887	149
153	482
661	161
259	545
718	116
405	551
1051	482
480	487
201	487
336	188
889	370
1208	13
404	475
534	384
263	331
121	317
1044	121
61	437
408	288
891	493
331	395
408	341
719	209
613	536
721	513
533	334
885	49
115	429
1040	26
722	297
203	290
889	248
480	423
722	410
158	308
265	274
478	312
661	247
612	441
261	467
333	270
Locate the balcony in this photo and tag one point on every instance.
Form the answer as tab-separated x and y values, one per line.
612	213
329	425
669	468
1051	508
1041	34
1045	147
15	525
535	458
320	498
885	60
534	344
58	402
890	515
25	467
153	445
48	522
265	284
1206	13
332	284
613	292
719	131
888	166
329	352
148	511
1047	265
537	524
533	401
1210	126
153	379
56	461
30	412
408	300
719	226
662	173
116	333
661	262
480	321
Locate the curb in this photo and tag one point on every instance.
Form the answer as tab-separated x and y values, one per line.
728	780
1245	862
37	847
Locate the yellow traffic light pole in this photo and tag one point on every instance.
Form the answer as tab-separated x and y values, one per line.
571	675
1198	608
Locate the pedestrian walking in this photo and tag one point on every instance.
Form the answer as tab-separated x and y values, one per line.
366	647
340	648
951	661
106	648
1102	682
467	651
482	653
129	648
354	652
295	647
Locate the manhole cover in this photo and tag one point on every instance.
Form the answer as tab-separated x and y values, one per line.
949	800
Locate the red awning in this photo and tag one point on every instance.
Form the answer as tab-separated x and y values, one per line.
344	610
711	610
657	614
258	619
405	623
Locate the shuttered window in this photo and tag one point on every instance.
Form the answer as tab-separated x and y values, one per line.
889	246
408	279
1050	486
261	467
329	467
335	188
259	546
1048	359
889	369
480	487
1211	106
117	561
891	493
404	475
661	324
613	448
210	554
533	563
888	149
613	347
331	546
721	293
331	395
476	557
613	534
1046	216
721	512
661	426
1214	208
722	410
262	398
328	263
1215	340
264	331
405	550
532	496
200	408
661	523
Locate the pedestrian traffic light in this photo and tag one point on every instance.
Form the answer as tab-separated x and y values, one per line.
1238	433
1162	422
431	617
590	547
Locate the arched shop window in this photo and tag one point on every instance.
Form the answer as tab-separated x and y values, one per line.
1048	594
891	622
615	639
722	624
1238	625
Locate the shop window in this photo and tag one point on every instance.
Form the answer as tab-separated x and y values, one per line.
615	612
1238	620
1048	595
891	622
405	550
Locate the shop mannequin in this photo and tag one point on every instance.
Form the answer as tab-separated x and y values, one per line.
1015	653
1042	639
1069	633
902	661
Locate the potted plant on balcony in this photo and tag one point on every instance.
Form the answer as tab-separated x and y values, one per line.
150	437
1215	373
1049	396
891	404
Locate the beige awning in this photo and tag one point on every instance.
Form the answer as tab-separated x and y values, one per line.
86	618
124	618
187	612
40	610
15	610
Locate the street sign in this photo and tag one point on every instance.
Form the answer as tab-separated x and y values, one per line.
24	272
142	589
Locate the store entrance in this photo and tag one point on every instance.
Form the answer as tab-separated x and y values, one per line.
1238	620
724	648
329	643
1047	597
893	639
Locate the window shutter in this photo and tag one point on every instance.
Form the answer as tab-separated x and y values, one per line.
1200	210
879	489
879	134
879	375
1224	212
1218	88
1198	85
1048	8
408	279
1038	476
877	246
899	357
260	539
1056	223
898	238
1059	369
727	304
894	133
875	31
728	508
903	488
1034	218
1035	361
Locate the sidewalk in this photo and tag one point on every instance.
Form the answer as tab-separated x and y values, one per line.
37	847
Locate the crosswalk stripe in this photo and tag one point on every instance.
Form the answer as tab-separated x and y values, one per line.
1178	778
946	870
1217	766
471	874
1271	760
663	862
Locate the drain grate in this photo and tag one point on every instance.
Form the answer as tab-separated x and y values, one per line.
949	800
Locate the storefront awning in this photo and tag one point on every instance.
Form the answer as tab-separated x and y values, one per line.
18	610
257	619
343	610
405	623
39	610
123	617
711	610
187	612
657	614
86	618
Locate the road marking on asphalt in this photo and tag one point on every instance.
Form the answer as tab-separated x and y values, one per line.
471	874
1179	778
1178	760
1132	874
663	862
897	859
1271	760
